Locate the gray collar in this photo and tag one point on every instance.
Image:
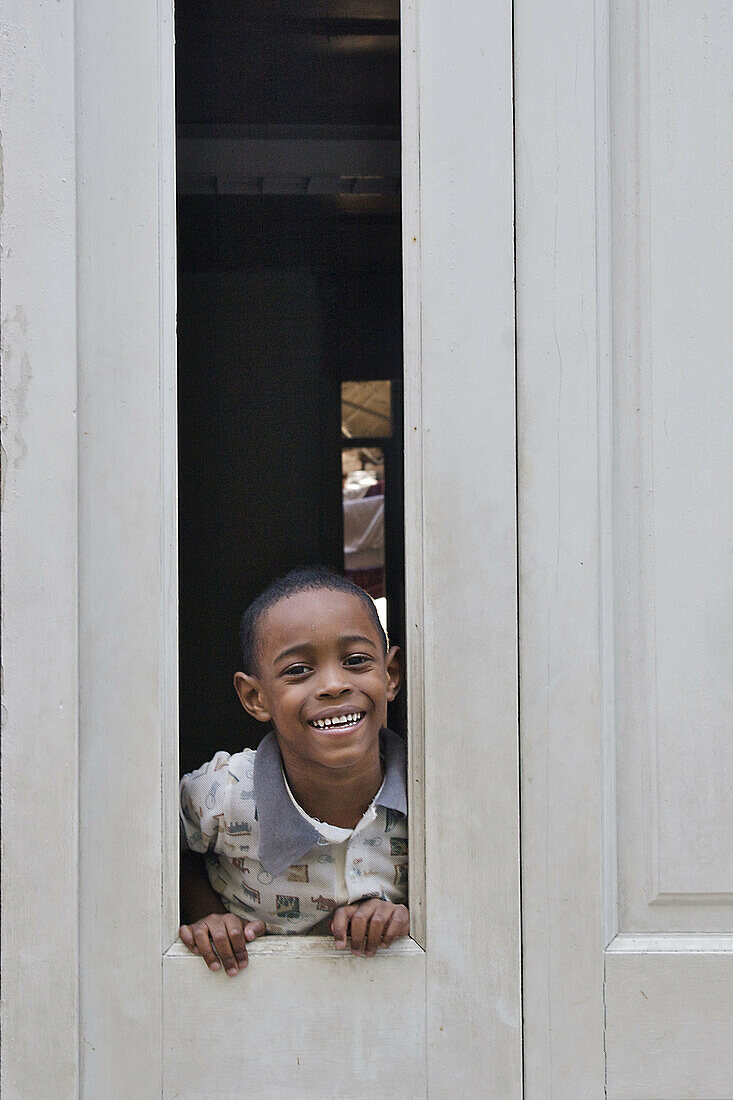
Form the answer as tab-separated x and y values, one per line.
285	836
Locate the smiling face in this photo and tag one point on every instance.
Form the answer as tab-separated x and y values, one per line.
323	679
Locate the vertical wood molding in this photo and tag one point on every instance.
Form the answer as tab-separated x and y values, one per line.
169	468
127	535
604	368
636	759
39	551
469	523
414	475
561	72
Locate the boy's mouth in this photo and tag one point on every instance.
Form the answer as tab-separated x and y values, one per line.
340	722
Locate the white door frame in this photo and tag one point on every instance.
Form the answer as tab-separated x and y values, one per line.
39	552
89	546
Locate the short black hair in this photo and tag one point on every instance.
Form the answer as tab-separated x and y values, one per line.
306	579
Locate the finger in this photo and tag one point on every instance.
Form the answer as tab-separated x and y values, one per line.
235	928
253	929
187	939
187	936
397	925
359	923
376	928
203	943
340	924
222	944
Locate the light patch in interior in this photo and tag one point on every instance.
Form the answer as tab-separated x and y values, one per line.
362	471
366	409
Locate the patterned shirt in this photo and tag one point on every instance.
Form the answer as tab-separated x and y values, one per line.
268	860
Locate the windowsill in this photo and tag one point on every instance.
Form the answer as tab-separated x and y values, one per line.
298	947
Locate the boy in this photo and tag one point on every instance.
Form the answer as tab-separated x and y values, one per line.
312	827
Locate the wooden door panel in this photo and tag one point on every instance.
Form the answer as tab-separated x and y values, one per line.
625	400
670	1018
103	619
303	1019
672	239
668	970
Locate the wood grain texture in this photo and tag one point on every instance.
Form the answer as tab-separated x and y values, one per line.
307	1023
120	279
126	359
167	258
673	239
469	565
474	1009
623	392
670	1026
39	552
562	384
413	441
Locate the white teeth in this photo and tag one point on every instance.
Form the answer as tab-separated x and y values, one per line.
343	720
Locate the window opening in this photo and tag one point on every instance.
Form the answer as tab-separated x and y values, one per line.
290	367
289	321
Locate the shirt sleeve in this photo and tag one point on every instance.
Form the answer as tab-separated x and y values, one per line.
202	804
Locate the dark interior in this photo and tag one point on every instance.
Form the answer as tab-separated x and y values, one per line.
289	246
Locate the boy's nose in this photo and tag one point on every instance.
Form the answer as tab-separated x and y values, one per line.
334	683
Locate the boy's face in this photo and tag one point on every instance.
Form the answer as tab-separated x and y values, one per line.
323	678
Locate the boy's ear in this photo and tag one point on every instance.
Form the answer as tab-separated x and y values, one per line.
250	696
393	664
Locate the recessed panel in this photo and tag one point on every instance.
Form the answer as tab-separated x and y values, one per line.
672	240
669	1026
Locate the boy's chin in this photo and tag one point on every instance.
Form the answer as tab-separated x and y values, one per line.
343	757
339	748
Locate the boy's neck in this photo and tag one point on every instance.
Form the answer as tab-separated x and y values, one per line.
337	797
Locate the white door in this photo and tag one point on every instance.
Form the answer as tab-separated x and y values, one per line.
624	397
625	404
115	1008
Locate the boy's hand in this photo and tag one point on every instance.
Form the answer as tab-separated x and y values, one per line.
374	924
222	934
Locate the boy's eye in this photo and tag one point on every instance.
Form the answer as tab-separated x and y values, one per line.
296	670
356	659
